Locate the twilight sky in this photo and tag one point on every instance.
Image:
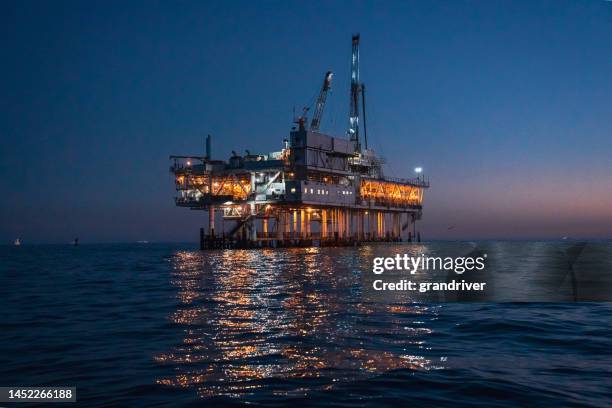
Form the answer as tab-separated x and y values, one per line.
506	105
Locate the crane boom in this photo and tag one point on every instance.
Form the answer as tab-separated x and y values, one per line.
318	113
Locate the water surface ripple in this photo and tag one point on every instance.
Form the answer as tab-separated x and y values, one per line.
168	325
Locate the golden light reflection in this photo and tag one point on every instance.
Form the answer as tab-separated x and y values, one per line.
247	317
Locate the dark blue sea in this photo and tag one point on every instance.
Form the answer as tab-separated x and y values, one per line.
152	325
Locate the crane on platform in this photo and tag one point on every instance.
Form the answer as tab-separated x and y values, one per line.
318	113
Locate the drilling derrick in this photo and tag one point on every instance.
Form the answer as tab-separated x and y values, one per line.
353	130
316	119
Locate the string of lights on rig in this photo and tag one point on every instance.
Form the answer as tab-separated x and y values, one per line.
317	190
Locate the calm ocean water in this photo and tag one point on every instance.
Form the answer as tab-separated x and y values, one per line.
168	325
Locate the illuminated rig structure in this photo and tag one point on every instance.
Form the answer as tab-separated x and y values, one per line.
318	190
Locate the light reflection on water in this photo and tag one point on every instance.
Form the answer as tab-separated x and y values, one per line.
283	327
249	317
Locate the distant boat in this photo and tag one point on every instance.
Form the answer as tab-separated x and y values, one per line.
75	242
17	242
142	242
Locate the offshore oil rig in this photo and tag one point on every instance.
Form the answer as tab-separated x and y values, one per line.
317	190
